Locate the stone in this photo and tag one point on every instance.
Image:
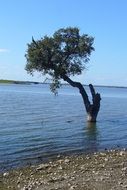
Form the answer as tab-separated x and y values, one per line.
42	166
5	174
60	168
121	153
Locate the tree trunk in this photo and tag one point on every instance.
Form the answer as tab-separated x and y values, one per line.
92	109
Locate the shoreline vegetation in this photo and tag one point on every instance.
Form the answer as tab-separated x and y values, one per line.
105	170
4	81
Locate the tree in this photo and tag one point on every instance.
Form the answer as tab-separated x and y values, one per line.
61	56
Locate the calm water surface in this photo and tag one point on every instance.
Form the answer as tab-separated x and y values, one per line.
36	126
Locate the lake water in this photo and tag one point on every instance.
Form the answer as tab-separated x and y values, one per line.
36	126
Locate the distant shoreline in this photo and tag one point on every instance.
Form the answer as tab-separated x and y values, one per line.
4	81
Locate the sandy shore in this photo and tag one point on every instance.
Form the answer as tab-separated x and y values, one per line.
99	171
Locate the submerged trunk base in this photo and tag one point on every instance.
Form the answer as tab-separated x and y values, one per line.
91	118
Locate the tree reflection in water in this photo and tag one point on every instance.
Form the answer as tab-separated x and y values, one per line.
92	137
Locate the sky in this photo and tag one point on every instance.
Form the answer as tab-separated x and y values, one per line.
105	20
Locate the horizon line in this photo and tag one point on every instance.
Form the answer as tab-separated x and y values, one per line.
35	82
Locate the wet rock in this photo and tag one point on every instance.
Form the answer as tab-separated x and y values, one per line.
42	167
58	156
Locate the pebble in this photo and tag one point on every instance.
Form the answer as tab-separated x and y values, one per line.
67	161
124	169
102	178
42	166
58	156
72	187
5	174
121	153
25	188
106	159
120	183
79	173
60	168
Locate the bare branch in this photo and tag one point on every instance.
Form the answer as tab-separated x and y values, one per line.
92	90
81	90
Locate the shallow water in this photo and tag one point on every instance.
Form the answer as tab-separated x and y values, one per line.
36	126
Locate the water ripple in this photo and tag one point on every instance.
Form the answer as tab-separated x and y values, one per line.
35	125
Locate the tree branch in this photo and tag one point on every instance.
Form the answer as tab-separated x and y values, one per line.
81	90
92	91
95	96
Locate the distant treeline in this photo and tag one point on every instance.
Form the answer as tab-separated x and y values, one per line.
16	82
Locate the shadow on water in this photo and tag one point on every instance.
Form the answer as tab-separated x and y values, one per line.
91	133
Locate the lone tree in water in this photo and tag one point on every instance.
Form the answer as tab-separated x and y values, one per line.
61	56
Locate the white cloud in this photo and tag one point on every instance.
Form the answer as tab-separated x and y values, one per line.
2	50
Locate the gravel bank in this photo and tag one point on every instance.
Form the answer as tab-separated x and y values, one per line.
99	171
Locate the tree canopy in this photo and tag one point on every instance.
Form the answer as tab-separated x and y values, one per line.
60	56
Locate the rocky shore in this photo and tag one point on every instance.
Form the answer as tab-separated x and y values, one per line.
99	171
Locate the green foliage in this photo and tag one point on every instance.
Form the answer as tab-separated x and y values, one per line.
65	53
55	85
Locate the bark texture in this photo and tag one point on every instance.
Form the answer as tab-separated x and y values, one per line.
92	109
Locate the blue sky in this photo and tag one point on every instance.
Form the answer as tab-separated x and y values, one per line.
105	20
